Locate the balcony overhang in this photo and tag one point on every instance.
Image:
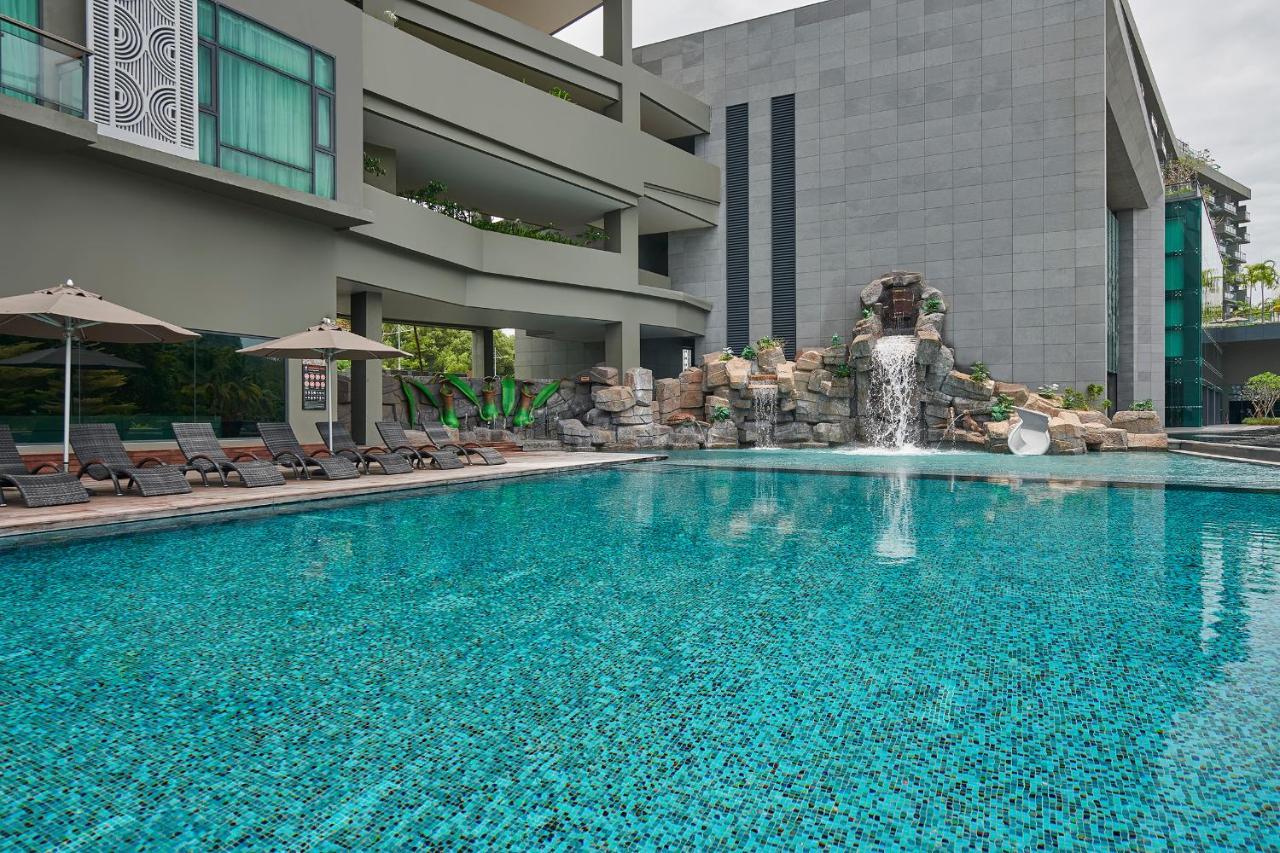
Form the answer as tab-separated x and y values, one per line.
549	16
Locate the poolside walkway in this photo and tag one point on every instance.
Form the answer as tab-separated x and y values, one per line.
107	508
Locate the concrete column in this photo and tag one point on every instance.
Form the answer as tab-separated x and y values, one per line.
366	376
484	357
617	49
622	345
623	227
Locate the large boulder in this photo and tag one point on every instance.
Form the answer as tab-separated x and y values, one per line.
937	374
722	434
786	378
603	374
1065	426
666	389
691	377
1019	394
1091	417
770	358
1137	423
691	398
816	378
831	433
810	359
1114	439
792	433
862	346
574	434
832	356
715	375
1148	441
928	346
613	399
872	292
739	372
634	416
959	384
998	436
639	379
835	407
1036	403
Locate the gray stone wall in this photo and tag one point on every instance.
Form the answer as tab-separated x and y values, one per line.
962	138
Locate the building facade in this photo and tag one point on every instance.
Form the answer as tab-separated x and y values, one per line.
247	167
1010	150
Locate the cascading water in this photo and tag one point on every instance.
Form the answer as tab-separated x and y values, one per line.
764	399
895	380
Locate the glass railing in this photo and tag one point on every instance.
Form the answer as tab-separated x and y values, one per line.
41	68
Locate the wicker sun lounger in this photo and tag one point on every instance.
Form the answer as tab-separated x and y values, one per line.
102	456
286	450
345	446
439	436
394	436
204	454
37	489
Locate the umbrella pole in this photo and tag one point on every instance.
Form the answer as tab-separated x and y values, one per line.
328	387
66	401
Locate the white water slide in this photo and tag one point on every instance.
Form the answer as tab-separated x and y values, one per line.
1030	437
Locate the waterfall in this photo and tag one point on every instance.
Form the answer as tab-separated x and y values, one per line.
765	404
895	405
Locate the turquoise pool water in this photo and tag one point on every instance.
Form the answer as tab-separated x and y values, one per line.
657	656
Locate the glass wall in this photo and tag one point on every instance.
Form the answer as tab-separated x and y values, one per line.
140	388
266	103
19	50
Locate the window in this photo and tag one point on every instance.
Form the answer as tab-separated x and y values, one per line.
19	51
266	103
142	389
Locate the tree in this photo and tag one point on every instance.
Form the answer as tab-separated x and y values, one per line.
1263	391
504	346
436	349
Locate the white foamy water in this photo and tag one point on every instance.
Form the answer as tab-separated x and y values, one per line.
765	405
895	406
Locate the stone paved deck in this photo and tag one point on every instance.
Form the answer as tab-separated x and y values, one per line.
106	509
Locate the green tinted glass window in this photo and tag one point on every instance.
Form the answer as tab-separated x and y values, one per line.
264	113
324	71
208	139
324	175
267	46
205	24
206	76
324	121
266	170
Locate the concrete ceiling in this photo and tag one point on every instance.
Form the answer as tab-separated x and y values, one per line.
549	16
482	181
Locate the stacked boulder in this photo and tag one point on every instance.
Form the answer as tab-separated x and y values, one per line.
622	415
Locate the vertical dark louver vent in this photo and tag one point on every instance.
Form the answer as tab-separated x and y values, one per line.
784	220
737	229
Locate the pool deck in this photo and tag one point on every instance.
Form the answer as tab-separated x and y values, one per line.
106	509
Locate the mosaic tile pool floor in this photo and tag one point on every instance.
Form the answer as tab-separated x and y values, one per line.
686	659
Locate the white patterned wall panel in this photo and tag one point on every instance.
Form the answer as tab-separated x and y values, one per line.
143	83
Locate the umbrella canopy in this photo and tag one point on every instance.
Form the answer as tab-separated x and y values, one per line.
49	313
68	312
329	341
88	359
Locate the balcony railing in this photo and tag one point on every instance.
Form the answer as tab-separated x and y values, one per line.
41	68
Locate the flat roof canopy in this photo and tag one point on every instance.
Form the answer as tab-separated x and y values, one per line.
549	16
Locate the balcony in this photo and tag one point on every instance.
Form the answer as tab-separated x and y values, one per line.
40	68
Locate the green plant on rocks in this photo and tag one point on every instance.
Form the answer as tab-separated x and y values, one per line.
841	371
836	341
932	305
726	354
768	342
1074	400
979	372
1002	409
721	413
1143	406
749	353
1095	400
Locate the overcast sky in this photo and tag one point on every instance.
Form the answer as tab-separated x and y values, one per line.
1216	63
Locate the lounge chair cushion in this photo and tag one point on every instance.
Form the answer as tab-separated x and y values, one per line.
39	490
336	468
445	460
160	480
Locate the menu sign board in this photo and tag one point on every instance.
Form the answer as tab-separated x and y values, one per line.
315	385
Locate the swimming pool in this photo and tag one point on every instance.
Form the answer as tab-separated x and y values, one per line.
657	655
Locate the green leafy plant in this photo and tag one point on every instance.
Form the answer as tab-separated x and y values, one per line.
1094	399
721	413
932	305
464	387
408	385
1143	406
1262	392
726	354
1074	400
749	353
841	371
373	166
562	94
836	341
1261	421
1002	409
768	342
432	197
979	372
867	313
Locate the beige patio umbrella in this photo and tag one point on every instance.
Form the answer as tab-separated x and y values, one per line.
68	312
330	342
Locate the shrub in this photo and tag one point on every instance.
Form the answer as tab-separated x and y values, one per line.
726	354
932	305
836	341
1262	422
979	372
721	413
1094	400
841	371
768	342
1002	409
1074	400
749	353
1143	406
